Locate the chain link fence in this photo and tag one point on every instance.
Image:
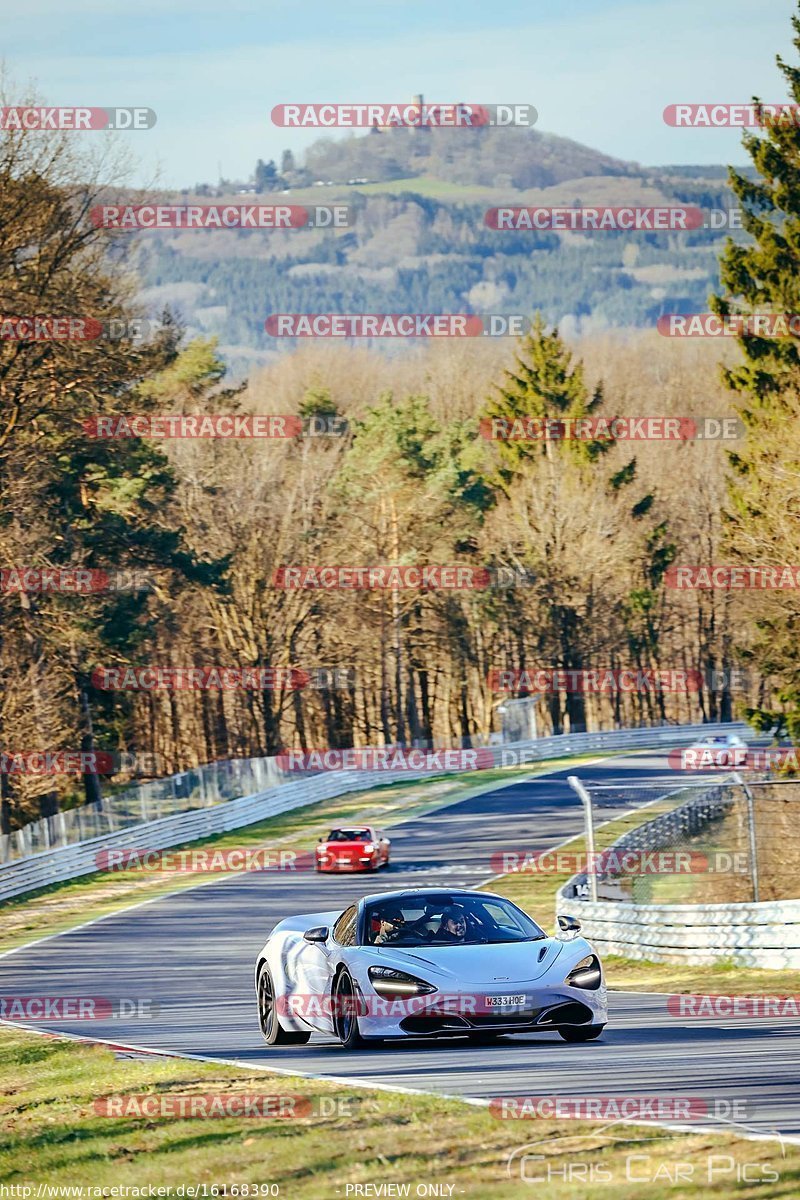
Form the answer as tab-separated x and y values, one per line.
712	840
218	782
200	787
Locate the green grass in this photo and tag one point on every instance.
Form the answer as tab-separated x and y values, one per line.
52	1133
437	189
418	185
723	978
594	190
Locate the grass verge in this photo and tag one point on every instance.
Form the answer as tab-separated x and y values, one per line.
52	1134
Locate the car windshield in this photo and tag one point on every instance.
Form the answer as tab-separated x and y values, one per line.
348	835
448	919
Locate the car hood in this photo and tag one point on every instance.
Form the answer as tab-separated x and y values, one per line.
506	962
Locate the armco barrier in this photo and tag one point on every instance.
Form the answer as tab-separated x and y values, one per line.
70	862
764	934
200	787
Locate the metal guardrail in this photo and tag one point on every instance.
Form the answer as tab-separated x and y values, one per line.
762	934
187	791
219	782
765	935
286	792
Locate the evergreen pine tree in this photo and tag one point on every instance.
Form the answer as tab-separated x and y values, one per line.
763	275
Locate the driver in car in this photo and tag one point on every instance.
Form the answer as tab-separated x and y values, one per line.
392	926
454	925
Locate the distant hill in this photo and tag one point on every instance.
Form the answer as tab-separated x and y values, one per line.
515	158
418	241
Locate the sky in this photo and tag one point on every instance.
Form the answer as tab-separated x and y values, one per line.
598	71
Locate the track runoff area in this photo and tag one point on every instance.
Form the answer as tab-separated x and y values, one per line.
176	977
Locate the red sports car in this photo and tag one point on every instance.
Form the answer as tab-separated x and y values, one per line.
360	848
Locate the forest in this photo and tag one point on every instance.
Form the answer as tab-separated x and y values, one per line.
570	546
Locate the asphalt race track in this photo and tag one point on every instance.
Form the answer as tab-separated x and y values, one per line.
193	954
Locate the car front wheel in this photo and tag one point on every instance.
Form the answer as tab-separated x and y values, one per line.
345	1017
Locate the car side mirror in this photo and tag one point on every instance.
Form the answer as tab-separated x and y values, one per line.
318	934
320	839
569	927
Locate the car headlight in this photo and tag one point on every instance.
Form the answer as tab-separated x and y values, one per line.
586	974
396	984
369	847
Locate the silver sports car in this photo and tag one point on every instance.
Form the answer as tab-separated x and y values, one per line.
427	963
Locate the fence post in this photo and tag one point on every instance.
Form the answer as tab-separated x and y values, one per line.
586	800
751	827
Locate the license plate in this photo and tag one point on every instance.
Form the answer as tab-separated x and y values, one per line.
504	1001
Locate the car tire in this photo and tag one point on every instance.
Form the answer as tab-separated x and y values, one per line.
272	1031
581	1033
345	1018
